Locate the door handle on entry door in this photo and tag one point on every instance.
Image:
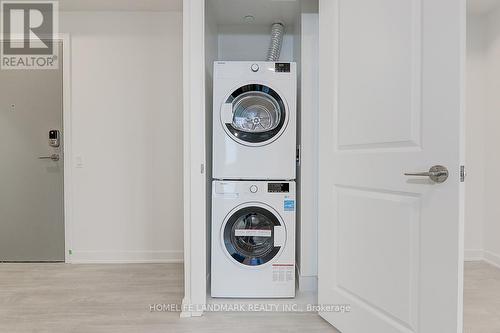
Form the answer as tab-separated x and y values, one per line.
437	174
53	157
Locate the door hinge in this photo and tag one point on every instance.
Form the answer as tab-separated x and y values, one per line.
298	155
202	168
462	173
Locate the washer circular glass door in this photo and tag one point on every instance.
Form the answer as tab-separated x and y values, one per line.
258	115
248	235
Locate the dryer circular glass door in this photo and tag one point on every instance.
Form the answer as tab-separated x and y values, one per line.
254	115
253	235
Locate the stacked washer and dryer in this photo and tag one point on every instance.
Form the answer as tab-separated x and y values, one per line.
254	168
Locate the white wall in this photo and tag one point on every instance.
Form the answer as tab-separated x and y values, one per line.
492	140
250	42
127	129
482	225
475	136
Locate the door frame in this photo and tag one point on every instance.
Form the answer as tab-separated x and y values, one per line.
195	189
65	39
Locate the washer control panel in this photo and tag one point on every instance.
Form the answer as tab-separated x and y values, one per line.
278	187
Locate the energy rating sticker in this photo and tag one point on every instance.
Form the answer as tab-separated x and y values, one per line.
289	205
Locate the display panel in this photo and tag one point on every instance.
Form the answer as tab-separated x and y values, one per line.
278	187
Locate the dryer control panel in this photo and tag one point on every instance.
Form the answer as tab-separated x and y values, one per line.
282	67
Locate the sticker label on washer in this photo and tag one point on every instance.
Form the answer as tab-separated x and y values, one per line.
283	272
289	205
253	232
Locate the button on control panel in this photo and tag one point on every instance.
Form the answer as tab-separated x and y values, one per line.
254	188
254	68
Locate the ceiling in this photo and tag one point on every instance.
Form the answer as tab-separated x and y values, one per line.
229	11
481	6
264	11
120	5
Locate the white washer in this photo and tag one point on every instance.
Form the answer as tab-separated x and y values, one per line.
254	120
253	239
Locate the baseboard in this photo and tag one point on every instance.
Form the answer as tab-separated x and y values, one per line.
473	255
187	311
491	258
111	257
306	283
483	255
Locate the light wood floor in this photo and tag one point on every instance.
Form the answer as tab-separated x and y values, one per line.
116	298
481	298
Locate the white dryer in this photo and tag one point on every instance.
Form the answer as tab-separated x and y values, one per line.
253	239
254	120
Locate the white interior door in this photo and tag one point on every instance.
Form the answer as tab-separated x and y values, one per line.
391	83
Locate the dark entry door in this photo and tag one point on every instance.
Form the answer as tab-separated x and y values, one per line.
31	171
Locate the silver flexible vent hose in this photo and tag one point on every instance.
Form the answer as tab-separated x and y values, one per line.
277	32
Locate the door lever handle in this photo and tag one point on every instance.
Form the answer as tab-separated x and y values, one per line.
53	157
437	174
